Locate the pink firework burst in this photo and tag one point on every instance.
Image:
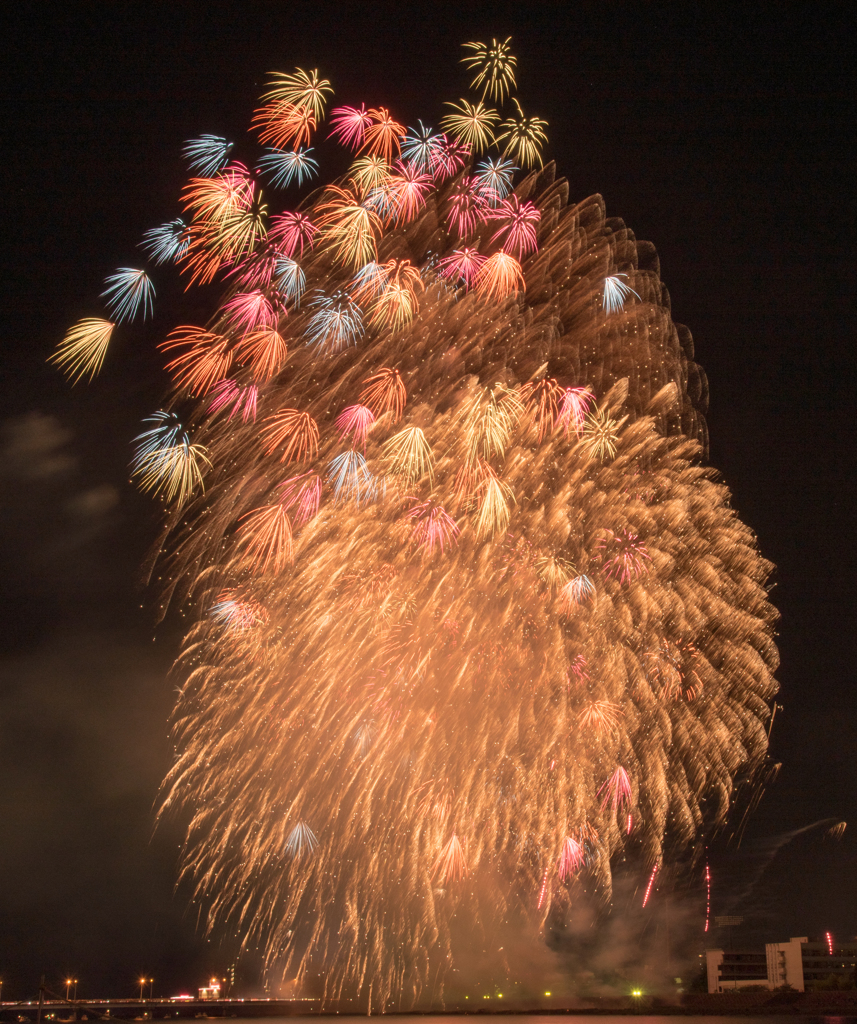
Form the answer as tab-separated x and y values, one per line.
250	311
348	126
292	232
255	270
462	265
571	859
448	157
624	556
574	404
467	207
237	398
517	226
578	670
617	790
357	420
432	526
303	494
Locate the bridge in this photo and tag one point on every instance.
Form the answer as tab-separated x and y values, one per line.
64	1010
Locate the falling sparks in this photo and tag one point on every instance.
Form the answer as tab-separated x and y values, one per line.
648	892
707	896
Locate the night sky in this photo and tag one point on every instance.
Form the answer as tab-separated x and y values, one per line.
723	134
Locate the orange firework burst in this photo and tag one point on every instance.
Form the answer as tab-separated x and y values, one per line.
500	276
385	393
297	432
450	865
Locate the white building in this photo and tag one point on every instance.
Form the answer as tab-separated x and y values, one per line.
730	972
798	963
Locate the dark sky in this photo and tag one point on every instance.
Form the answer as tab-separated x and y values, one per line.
723	134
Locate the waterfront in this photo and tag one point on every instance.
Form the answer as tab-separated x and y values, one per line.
533	1018
296	1011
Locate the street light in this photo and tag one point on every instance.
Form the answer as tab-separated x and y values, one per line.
142	984
68	984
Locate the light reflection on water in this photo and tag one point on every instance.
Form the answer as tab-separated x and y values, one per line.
602	1018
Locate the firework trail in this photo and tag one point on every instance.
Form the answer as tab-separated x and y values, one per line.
471	616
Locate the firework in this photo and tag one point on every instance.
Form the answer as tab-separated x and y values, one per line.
382	135
615	292
301	841
337	324
495	66
293	231
82	350
462	264
422	149
467	206
707	896
472	124
348	125
127	293
165	460
524	137
302	88
500	276
517	232
356	420
432	526
283	167
266	537
571	859
289	279
494	178
168	243
471	620
207	154
204	361
451	865
265	351
236	398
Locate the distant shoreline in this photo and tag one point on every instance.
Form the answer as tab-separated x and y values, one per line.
727	1004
